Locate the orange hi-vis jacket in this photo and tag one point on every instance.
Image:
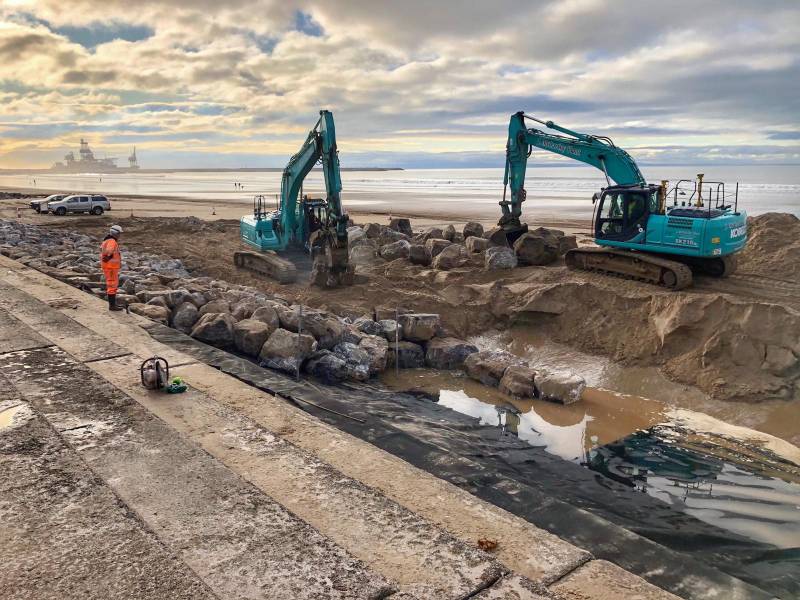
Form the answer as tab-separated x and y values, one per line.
109	254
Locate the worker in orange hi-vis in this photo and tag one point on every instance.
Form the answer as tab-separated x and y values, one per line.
111	262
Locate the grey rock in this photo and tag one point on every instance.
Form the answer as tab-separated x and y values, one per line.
244	309
285	344
373	230
536	249
475	244
447	353
364	254
356	358
185	317
249	336
473	229
559	386
267	314
497	237
434	246
327	366
152	312
402	225
378	349
216	307
451	257
431	233
489	366
567	243
409	355
519	381
449	233
215	329
368	326
417	255
499	257
389	329
395	250
419	327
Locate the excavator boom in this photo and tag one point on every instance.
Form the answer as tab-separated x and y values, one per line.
318	225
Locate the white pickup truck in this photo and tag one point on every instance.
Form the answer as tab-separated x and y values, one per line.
80	203
40	204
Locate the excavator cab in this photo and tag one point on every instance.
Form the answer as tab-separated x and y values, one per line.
622	211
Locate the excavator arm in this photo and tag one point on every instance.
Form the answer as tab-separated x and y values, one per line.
598	151
320	144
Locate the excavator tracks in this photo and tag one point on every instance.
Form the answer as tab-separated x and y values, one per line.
631	265
266	263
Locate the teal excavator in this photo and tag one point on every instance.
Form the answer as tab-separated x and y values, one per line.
317	225
638	235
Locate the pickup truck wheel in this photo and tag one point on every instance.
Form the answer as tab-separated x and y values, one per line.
97	210
61	211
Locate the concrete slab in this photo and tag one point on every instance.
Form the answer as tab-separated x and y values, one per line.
241	543
601	580
389	538
65	534
514	587
13	336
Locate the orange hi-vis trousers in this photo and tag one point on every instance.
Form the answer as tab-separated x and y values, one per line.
112	279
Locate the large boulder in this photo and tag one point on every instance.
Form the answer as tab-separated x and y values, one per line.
327	329
151	311
497	237
449	233
378	349
419	327
536	249
373	230
473	229
249	336
408	354
354	234
389	236
417	255
216	306
447	353
185	317
434	246
326	366
364	254
559	386
431	233
368	326
476	244
518	381
499	257
244	309
215	329
356	358
402	225
389	329
451	257
567	243
395	250
267	314
489	366
284	344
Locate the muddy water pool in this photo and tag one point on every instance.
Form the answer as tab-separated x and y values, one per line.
630	426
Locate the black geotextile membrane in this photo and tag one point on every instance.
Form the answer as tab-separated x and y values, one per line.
673	550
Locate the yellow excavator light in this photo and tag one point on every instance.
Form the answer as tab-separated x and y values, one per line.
715	240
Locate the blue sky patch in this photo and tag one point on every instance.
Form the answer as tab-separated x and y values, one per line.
306	23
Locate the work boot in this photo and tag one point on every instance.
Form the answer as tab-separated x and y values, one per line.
112	303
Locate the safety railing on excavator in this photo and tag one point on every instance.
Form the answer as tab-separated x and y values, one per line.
711	195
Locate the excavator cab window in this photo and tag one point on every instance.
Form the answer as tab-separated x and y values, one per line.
621	214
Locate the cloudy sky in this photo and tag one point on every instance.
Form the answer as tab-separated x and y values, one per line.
412	83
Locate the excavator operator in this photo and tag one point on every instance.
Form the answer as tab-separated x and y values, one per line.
111	262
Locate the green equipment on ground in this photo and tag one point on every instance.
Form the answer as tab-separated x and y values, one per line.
638	234
154	373
317	225
177	386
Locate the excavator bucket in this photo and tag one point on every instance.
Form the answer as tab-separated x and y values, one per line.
332	267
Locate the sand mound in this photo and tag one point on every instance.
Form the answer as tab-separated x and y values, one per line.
730	348
773	246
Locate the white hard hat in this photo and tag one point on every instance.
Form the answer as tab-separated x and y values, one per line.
115	229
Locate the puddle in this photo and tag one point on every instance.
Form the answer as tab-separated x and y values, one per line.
7	415
735	478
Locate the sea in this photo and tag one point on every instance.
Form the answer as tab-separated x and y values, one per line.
553	191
